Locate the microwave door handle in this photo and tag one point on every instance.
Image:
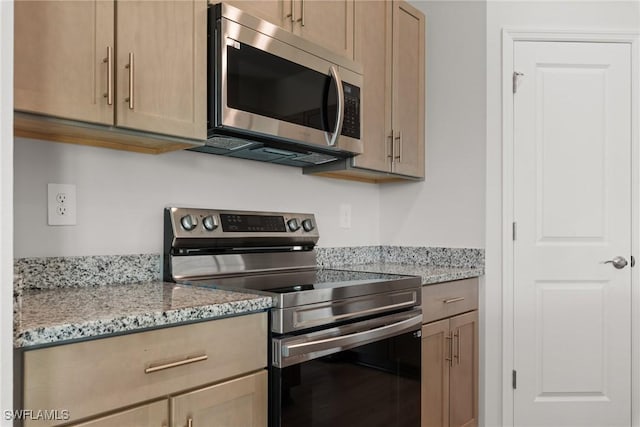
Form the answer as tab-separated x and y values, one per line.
335	75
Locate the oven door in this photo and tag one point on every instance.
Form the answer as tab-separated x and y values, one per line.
364	374
269	88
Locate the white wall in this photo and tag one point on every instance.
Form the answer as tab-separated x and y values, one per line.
447	209
6	209
121	196
562	15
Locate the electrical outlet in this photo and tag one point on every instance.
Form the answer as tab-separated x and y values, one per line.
61	204
345	215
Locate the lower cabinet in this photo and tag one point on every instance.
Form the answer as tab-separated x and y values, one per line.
203	374
450	361
152	414
238	403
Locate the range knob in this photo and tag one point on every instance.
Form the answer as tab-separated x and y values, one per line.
189	222
293	224
210	223
307	224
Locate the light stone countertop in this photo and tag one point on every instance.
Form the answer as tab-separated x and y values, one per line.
429	274
53	316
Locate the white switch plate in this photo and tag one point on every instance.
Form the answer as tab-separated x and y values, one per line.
345	215
61	204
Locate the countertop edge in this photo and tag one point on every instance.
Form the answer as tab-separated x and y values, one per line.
104	328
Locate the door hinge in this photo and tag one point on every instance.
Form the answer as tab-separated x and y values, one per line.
516	80
514	230
514	375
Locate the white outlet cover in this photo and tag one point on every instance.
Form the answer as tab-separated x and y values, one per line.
61	204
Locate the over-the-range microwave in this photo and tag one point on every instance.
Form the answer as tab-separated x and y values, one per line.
276	97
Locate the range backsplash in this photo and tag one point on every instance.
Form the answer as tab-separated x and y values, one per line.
55	272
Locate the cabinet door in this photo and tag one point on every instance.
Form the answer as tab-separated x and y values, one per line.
275	11
59	51
151	415
408	89
463	405
328	23
165	91
373	51
237	403
436	358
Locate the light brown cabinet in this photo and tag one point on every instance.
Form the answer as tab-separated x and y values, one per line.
59	58
241	402
450	361
390	45
67	66
328	23
147	366
152	414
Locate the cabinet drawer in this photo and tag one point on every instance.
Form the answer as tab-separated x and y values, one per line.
91	377
449	298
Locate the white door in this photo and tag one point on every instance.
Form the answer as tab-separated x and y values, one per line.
572	207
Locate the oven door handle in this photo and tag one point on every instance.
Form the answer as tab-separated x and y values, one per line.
317	348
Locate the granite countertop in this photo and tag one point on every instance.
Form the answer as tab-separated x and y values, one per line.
429	274
53	316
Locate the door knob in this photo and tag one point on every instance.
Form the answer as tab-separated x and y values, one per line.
618	262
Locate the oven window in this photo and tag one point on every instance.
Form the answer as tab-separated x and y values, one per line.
374	385
261	83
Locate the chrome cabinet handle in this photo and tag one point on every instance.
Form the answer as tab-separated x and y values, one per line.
452	300
449	338
399	139
109	61
130	66
340	114
457	347
301	20
618	262
186	361
390	155
292	15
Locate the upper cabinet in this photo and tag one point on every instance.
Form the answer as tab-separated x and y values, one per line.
161	67
129	64
63	54
390	45
328	23
407	112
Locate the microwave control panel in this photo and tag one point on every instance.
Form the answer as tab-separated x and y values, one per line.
351	123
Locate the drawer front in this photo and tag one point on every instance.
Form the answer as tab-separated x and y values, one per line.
91	377
448	299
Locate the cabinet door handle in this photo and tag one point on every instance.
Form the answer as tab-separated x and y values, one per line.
292	15
301	20
186	361
390	155
189	422
449	359
109	62
399	139
130	66
457	347
452	300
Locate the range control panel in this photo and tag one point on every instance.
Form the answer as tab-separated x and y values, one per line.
194	222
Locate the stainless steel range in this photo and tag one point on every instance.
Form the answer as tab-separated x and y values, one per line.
345	345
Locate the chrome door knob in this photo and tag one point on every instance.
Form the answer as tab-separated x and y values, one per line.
618	262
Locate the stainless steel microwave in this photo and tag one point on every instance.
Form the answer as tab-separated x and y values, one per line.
274	96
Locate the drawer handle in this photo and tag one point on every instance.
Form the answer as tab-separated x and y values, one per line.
186	361
449	301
